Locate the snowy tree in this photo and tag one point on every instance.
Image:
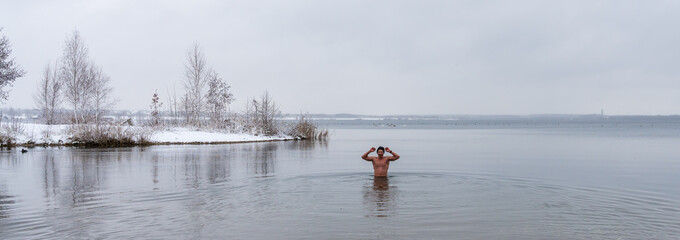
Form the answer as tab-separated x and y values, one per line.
218	97
49	95
100	101
74	73
86	87
195	73
247	119
264	113
172	106
155	109
9	71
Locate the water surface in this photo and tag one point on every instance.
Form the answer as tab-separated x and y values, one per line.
521	183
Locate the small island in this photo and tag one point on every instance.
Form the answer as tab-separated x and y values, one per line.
32	135
75	102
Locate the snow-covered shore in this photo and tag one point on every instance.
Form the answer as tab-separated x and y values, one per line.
185	135
40	134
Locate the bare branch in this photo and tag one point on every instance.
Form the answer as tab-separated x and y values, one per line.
195	73
9	71
48	98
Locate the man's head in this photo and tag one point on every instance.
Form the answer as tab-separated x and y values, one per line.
381	151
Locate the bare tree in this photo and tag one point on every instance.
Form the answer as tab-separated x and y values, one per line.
172	106
74	74
86	87
218	97
186	105
155	109
266	111
49	96
9	71
195	73
99	100
42	97
247	122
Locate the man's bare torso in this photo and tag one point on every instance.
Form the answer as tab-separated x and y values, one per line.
380	166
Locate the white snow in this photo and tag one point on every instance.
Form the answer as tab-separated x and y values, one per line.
56	134
184	135
41	133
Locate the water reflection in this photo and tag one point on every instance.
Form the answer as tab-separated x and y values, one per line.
83	192
87	176
380	198
307	145
6	202
50	176
154	169
262	163
192	169
218	167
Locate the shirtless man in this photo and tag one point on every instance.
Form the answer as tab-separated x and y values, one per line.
380	163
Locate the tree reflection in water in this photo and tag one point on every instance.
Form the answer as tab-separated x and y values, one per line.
263	159
86	176
380	198
306	145
192	168
154	170
218	166
50	176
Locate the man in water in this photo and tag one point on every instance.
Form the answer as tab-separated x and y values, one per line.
380	163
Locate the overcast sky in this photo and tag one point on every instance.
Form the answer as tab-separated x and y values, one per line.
372	57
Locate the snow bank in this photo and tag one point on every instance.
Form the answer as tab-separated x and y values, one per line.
58	134
184	135
42	134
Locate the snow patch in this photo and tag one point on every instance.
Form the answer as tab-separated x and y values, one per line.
58	134
185	135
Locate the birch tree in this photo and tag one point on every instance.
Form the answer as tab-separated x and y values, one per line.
86	86
195	75
48	98
74	74
186	108
9	70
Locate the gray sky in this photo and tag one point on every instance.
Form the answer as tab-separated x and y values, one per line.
372	57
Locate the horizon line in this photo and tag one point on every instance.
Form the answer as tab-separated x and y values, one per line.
3	109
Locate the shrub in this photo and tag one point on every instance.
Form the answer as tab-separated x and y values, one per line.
304	128
107	135
9	131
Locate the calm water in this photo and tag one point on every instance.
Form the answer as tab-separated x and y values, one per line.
531	183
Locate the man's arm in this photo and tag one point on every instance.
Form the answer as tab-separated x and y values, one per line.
394	156
366	157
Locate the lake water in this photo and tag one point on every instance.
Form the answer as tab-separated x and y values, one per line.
583	182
